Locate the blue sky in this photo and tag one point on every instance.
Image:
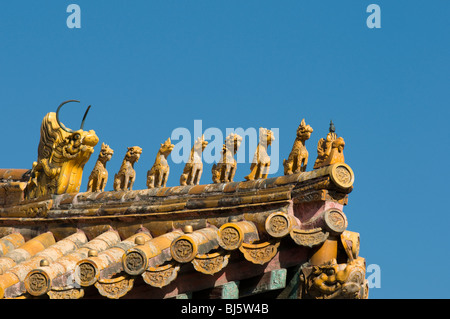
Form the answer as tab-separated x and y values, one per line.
149	67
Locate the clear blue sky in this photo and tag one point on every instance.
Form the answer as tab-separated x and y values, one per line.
149	67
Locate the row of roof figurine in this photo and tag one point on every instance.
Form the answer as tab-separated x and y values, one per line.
329	151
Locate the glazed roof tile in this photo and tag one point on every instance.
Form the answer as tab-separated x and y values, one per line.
74	263
115	243
10	242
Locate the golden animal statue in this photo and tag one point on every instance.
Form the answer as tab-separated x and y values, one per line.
334	281
194	167
99	175
335	278
126	176
159	173
261	160
298	158
62	154
330	150
224	170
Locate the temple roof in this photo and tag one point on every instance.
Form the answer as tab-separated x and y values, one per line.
166	266
285	235
119	243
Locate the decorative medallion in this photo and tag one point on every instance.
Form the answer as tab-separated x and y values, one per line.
183	250
232	235
134	263
37	283
230	238
161	276
86	274
335	220
309	237
211	263
279	224
116	287
342	175
260	253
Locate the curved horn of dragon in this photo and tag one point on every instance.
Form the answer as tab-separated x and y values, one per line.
84	117
57	115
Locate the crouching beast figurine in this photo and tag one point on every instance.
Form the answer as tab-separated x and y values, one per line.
261	160
334	281
194	167
298	158
159	173
99	175
62	154
224	170
126	176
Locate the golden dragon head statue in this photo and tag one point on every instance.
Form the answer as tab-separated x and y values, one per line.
62	154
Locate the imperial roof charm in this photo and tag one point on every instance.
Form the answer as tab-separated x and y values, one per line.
284	236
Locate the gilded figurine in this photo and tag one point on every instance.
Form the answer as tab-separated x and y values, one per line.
194	167
225	169
261	160
298	158
330	150
62	154
159	173
334	281
99	175
126	176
